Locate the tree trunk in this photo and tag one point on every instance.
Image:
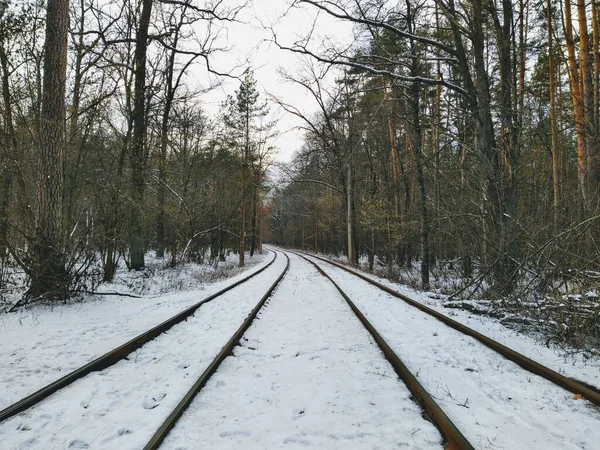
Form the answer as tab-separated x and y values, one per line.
349	230
595	159
136	155
49	277
162	158
578	104
414	100
254	241
553	129
10	146
110	260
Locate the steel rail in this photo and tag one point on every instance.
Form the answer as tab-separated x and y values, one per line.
454	438
112	357
528	364
160	435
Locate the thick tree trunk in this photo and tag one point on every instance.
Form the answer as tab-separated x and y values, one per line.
136	155
49	277
595	158
162	164
509	140
596	78
585	70
242	260
423	213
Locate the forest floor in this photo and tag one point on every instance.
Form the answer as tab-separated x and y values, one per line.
306	374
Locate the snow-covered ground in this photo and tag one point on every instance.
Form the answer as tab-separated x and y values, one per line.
122	406
306	375
494	402
43	343
573	365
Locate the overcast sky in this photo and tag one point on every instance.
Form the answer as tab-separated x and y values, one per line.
250	41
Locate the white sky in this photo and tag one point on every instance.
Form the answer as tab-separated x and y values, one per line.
251	41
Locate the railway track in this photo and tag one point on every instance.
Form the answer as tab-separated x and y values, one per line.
452	432
126	350
453	438
176	414
587	392
581	391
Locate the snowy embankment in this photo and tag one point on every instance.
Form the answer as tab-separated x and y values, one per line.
494	402
43	343
122	406
306	374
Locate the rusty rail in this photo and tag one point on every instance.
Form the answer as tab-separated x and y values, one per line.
454	438
527	363
112	357
170	422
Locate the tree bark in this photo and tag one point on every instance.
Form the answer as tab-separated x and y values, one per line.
414	101
10	146
254	236
49	277
349	224
578	102
553	129
136	155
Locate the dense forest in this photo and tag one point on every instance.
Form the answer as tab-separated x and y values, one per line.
459	149
106	150
458	146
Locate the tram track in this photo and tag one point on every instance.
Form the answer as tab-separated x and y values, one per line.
131	366
455	440
587	392
496	392
176	414
454	434
451	436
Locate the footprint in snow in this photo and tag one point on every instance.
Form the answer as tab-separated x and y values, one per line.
296	441
299	413
224	434
153	402
78	445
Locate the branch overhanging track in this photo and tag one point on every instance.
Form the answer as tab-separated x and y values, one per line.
114	356
454	439
160	435
588	392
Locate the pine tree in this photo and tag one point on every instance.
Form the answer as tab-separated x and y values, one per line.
245	118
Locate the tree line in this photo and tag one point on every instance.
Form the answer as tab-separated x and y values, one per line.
105	149
459	136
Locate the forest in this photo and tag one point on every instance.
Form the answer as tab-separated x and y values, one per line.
455	146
